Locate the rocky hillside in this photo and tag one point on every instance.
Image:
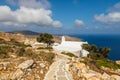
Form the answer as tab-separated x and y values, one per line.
8	37
22	62
25	32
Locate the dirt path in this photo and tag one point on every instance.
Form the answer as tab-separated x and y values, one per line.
59	69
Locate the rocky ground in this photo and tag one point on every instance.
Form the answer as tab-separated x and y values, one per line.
22	69
25	67
81	71
19	61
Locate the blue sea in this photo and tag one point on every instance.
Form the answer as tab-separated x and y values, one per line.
111	41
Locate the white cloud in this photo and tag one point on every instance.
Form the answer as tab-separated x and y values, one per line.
110	18
13	24
57	23
30	3
34	3
79	22
25	15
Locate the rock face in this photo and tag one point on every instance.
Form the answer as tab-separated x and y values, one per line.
26	64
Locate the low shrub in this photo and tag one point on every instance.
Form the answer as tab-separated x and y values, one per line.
4	51
19	44
47	56
2	41
48	48
42	56
26	53
40	48
107	63
69	54
50	57
21	52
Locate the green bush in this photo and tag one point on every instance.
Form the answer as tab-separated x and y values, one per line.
107	63
21	52
4	51
40	48
95	52
19	44
2	41
48	48
50	57
3	54
68	54
26	53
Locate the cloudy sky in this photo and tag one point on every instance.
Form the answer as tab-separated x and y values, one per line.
61	16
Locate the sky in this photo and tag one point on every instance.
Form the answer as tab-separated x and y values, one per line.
61	16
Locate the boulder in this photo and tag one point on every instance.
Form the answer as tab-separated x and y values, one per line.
42	65
84	70
37	77
67	67
80	65
116	77
17	74
1	67
4	65
73	59
26	64
41	71
117	71
88	75
118	62
4	76
105	76
94	78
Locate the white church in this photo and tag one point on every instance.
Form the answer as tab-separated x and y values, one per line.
74	47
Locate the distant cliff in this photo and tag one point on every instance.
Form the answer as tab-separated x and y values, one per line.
68	38
31	34
9	36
